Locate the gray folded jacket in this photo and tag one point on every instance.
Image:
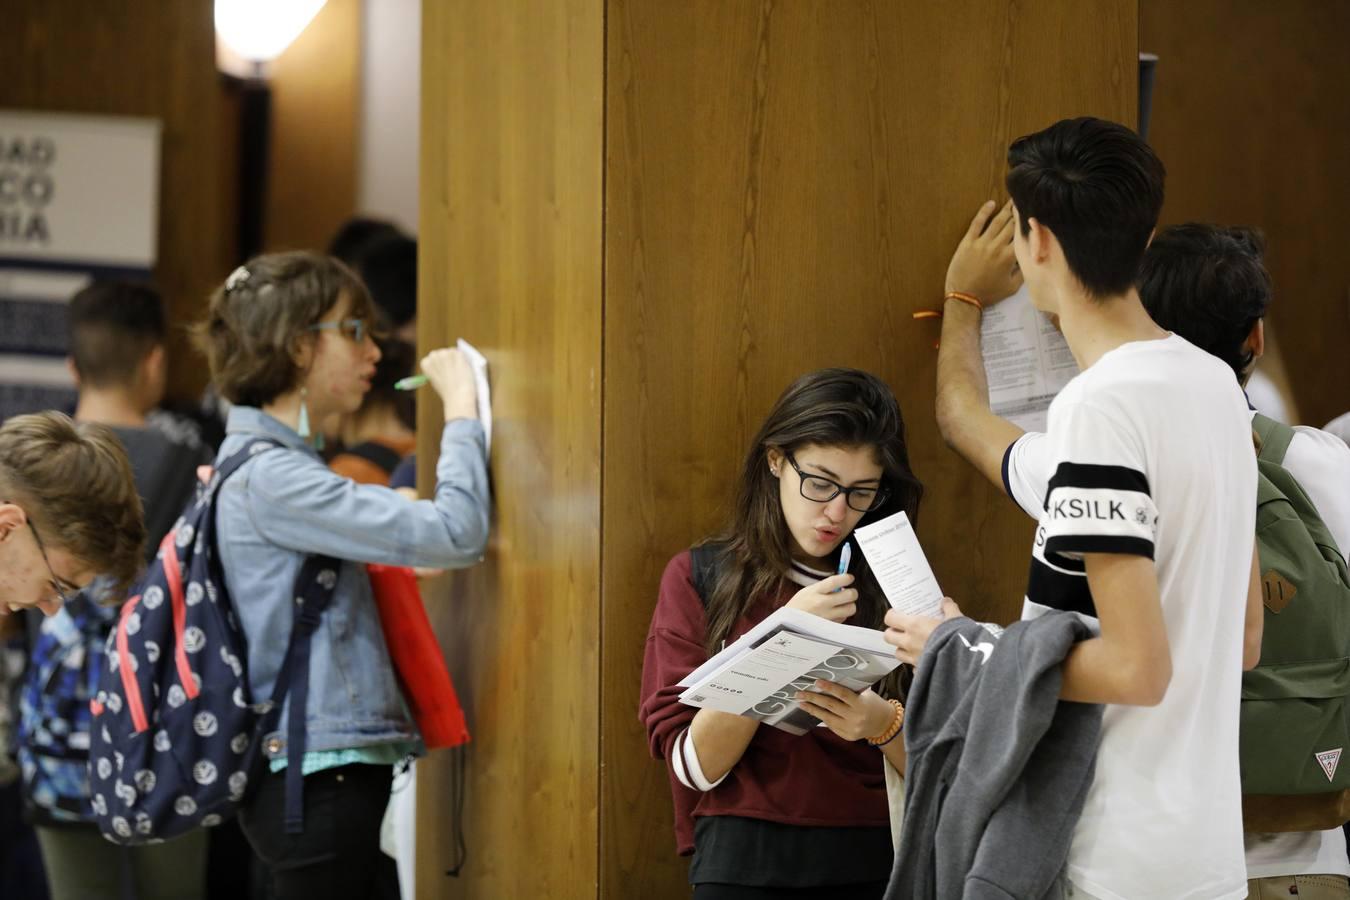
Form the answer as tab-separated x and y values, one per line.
998	767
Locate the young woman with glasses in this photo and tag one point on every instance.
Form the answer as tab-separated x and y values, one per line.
289	341
766	813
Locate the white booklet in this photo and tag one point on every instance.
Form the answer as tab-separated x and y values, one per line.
1026	361
893	552
760	674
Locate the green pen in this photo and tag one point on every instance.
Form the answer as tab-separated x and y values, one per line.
411	383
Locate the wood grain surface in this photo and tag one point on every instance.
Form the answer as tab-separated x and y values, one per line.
316	90
1252	117
510	258
784	185
781	186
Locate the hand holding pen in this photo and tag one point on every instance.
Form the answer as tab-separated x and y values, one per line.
448	372
831	598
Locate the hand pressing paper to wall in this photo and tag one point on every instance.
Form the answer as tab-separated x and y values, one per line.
478	362
1026	361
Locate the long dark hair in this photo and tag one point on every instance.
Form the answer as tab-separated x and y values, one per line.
829	408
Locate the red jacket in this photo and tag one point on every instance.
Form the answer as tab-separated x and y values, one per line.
816	779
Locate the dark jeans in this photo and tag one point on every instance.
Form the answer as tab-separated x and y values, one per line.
338	855
833	892
21	872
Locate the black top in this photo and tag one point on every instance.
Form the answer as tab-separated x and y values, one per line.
165	467
744	851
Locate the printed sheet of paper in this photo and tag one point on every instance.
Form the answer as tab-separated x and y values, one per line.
1026	361
478	362
892	550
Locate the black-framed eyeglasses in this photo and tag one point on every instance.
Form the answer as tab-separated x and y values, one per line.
55	581
823	490
354	330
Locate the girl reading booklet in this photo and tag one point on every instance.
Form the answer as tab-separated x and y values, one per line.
766	813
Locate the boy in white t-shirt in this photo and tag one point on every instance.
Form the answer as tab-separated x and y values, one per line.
1144	486
1209	285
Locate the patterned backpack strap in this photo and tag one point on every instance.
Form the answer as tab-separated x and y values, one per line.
313	592
228	466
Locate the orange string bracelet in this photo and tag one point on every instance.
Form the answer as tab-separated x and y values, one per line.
964	298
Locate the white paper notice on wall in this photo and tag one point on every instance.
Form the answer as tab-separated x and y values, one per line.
898	562
1026	361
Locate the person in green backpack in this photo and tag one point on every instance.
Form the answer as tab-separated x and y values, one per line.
1209	285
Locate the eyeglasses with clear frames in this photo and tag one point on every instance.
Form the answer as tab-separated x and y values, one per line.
822	490
354	330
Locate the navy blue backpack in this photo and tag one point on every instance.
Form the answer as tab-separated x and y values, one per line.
53	746
176	740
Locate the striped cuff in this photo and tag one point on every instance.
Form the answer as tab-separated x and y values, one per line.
684	762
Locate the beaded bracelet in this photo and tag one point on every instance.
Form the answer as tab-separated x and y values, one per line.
897	725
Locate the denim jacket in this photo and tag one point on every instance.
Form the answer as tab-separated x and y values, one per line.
284	505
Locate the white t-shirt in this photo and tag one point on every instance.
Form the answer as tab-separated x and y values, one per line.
1320	462
1149	452
1340	426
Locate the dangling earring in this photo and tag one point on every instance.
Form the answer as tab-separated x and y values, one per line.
302	426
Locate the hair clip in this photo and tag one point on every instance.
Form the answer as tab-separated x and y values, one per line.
237	277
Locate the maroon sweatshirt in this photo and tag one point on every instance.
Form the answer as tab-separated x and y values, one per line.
816	779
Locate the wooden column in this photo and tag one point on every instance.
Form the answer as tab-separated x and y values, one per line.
510	248
316	88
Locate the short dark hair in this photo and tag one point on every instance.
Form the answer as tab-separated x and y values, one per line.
1209	284
261	312
112	326
1099	188
355	235
388	266
397	359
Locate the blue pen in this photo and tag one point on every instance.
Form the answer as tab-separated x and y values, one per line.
845	556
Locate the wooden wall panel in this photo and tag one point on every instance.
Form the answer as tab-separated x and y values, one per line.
510	250
784	185
316	87
1252	117
142	59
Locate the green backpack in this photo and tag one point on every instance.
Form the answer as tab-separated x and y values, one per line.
1295	720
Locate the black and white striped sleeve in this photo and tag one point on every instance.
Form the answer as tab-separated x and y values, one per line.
1099	499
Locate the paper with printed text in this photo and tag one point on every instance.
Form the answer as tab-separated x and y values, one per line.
893	552
1026	361
759	675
